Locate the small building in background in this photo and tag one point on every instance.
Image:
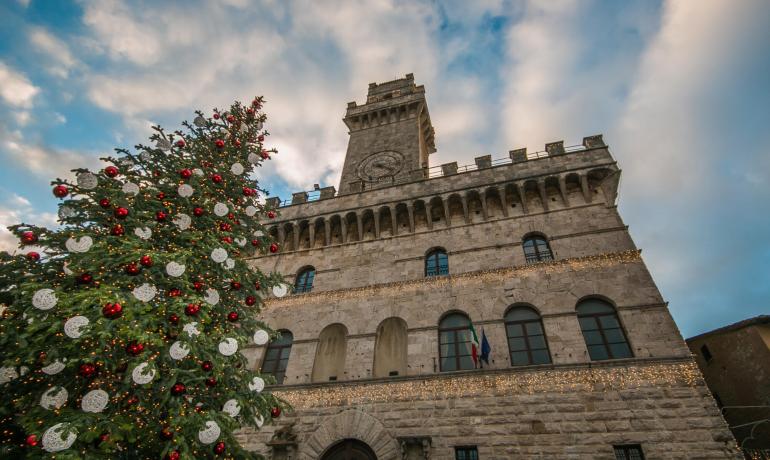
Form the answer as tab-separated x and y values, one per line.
735	360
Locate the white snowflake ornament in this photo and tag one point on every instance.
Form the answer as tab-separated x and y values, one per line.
95	401
221	209
240	242
53	368
280	290
74	327
261	337
54	440
145	292
174	269
211	297
182	221
229	263
82	244
141	375
237	169
130	188
178	350
198	172
250	210
231	408
87	181
257	385
253	158
228	347
144	233
209	433
219	255
185	190
191	329
65	212
44	299
7	374
54	398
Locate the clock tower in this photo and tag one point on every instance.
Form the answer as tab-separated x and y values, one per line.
391	137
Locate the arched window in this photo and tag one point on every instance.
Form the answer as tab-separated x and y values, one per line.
536	249
329	364
304	281
455	347
390	348
526	337
602	331
436	263
277	356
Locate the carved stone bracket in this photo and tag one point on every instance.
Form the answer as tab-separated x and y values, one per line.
415	447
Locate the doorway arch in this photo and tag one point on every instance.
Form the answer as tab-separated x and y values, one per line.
350	449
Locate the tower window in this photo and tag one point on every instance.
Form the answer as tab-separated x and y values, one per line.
536	249
455	348
604	336
304	281
466	453
704	350
277	356
437	263
628	452
526	337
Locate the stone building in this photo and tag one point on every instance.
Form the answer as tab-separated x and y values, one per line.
391	272
735	361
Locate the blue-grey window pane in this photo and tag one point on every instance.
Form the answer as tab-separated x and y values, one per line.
590	306
447	350
620	350
272	354
593	337
540	357
609	321
285	338
466	362
515	330
519	358
448	364
517	343
447	337
598	352
614	336
588	324
455	320
521	314
536	341
534	328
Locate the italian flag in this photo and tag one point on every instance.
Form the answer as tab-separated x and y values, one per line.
474	346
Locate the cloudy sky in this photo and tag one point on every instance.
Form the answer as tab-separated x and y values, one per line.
680	90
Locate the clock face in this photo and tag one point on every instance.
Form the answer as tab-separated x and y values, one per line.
380	165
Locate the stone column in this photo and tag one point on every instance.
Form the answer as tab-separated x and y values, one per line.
359	226
586	189
393	220
295	230
447	217
311	233
483	199
543	195
465	209
376	225
410	210
522	197
563	190
327	232
344	229
501	194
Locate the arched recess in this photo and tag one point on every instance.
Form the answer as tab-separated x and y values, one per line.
329	363
436	214
421	216
386	223
475	208
350	424
390	348
304	235
574	193
532	197
336	230
514	200
320	233
350	449
288	231
494	205
595	179
553	193
402	219
456	210
352	226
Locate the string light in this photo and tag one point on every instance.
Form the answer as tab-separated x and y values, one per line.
495	383
459	280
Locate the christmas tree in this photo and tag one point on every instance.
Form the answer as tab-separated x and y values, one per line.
121	330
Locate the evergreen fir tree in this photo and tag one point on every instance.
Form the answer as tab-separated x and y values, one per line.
121	334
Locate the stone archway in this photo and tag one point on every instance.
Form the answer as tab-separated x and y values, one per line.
350	424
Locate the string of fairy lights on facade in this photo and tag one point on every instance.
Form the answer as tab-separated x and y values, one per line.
509	383
547	267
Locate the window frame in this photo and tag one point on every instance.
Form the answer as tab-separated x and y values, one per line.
538	257
436	253
467	452
601	330
455	343
275	371
625	450
526	336
302	286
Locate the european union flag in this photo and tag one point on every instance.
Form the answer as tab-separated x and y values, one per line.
486	349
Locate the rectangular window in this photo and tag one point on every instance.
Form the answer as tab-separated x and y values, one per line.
706	353
629	452
466	453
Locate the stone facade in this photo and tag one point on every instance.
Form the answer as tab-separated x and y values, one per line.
368	247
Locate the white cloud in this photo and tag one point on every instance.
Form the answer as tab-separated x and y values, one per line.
15	210
40	159
58	53
23	3
15	88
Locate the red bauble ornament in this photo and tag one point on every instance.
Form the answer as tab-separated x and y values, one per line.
274	247
118	230
257	286
104	437
146	261
235	285
211	382
207	366
33	256
227	239
197	212
87	370
180	143
110	171
256	103
178	389
247	191
198	285
28	237
219	143
275	412
216	116
112	310
31	440
249	111
225	227
166	434
192	309
230	118
255	243
104	202
216	178
271	214
134	348
174	292
160	196
173	455
60	191
160	216
219	448
185	173
132	269
251	300
121	213
173	318
265	155
232	316
237	143
85	278
132	400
